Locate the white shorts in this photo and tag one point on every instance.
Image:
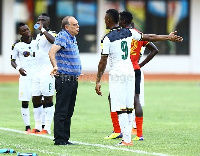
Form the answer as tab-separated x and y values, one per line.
25	88
43	84
142	89
122	91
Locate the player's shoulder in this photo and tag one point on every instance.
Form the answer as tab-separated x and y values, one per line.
119	34
17	43
144	43
134	30
103	38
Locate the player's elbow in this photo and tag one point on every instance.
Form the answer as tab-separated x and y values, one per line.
156	51
50	53
12	62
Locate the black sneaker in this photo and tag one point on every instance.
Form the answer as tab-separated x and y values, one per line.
63	143
69	143
60	143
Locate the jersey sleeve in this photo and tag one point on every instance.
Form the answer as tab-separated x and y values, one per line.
105	46
136	35
14	53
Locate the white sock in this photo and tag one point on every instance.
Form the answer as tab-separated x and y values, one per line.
123	122
49	113
38	117
130	122
134	123
26	116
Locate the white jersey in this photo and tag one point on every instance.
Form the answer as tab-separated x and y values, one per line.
43	47
117	45
27	63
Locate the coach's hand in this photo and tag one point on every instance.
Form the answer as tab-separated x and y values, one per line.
54	71
98	88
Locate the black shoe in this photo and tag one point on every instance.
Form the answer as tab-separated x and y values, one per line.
63	143
69	143
60	143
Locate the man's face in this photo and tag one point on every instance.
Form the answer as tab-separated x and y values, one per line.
121	22
107	21
44	21
73	27
24	31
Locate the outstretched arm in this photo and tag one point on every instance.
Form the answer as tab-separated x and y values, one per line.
153	51
170	37
101	69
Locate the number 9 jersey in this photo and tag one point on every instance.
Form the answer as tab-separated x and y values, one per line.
117	44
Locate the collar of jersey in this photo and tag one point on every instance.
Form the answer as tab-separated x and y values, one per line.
21	40
69	34
115	28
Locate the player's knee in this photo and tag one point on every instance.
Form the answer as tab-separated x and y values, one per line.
25	104
36	100
48	99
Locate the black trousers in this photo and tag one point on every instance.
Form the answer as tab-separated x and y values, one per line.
66	90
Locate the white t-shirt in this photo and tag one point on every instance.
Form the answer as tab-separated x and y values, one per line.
27	63
43	47
117	45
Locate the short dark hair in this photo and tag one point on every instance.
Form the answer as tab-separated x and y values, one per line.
20	25
114	15
127	16
45	14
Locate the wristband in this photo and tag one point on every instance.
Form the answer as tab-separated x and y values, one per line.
17	68
43	30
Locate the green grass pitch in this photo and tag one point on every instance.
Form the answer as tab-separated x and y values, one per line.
171	123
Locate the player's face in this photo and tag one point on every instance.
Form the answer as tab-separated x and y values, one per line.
44	21
107	21
121	22
73	27
25	31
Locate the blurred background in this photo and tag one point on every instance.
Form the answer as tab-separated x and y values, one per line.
150	16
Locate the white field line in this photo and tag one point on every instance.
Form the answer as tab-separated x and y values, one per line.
88	144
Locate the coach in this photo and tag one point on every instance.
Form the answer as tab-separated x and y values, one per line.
64	56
